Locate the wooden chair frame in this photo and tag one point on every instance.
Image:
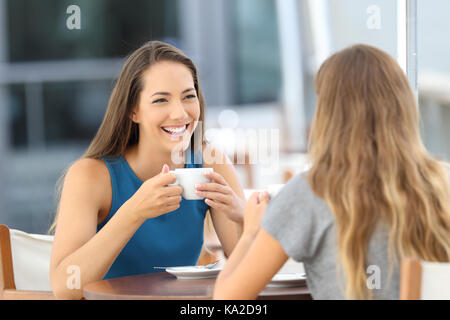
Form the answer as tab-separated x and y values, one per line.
8	289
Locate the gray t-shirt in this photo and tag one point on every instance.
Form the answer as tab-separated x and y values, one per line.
305	227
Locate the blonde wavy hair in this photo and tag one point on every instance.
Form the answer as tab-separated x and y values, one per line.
370	165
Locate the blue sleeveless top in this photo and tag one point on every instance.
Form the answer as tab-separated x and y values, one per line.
172	239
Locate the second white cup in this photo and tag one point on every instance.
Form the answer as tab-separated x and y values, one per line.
274	189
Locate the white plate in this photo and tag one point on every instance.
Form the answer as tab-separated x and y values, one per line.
288	280
194	272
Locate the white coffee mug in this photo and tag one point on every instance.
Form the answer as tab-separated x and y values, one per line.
187	178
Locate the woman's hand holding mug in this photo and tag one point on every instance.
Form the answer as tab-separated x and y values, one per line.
155	197
220	196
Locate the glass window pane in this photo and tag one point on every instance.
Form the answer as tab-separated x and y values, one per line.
434	75
433	34
17	115
256	51
372	22
73	111
109	28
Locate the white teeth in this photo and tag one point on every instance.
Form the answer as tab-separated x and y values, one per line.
175	129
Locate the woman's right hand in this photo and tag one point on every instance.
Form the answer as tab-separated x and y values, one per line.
254	212
155	197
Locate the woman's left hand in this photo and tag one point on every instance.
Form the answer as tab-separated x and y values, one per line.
221	197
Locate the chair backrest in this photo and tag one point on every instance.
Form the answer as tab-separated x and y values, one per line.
421	280
24	263
31	260
6	265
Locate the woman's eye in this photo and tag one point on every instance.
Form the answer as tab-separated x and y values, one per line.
191	96
160	100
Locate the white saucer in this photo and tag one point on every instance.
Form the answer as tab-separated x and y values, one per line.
288	280
194	272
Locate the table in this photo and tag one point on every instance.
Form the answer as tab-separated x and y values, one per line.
164	286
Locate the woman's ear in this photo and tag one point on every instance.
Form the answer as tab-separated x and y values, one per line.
133	116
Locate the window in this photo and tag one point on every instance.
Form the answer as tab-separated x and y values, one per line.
434	75
74	110
44	112
364	21
109	28
256	52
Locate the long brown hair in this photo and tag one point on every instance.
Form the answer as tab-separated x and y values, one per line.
370	166
117	131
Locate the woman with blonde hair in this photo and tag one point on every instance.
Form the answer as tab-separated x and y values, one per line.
372	196
119	213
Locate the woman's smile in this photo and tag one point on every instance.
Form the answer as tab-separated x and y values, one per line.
176	131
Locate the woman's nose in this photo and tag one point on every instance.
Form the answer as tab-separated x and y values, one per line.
178	111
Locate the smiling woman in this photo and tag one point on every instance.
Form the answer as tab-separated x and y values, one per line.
168	108
118	213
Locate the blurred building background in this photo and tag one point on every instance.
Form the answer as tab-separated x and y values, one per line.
255	57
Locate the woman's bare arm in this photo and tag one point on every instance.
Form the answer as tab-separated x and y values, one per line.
77	246
250	268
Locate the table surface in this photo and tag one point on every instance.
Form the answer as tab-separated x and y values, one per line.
164	286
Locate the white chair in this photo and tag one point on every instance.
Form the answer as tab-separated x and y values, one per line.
421	280
24	265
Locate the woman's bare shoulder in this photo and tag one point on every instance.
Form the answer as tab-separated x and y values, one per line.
90	177
89	170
